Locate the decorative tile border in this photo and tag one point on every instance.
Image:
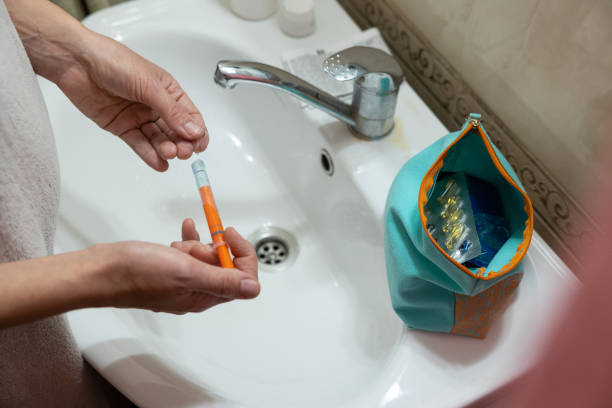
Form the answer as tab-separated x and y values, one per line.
559	219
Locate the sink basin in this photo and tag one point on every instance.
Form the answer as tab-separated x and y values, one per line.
322	332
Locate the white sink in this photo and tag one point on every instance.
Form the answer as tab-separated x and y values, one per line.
322	333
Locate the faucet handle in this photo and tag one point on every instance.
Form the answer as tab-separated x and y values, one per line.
358	61
377	77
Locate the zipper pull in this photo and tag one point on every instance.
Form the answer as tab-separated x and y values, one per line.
475	118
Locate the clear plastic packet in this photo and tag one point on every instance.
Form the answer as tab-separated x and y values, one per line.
450	219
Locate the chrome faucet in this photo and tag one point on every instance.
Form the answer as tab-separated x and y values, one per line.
376	74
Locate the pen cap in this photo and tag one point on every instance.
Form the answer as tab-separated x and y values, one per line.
199	172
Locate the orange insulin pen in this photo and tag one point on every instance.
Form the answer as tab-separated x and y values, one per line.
212	216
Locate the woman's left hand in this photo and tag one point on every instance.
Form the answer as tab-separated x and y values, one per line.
119	90
136	100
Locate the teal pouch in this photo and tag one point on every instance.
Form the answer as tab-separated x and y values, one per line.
429	289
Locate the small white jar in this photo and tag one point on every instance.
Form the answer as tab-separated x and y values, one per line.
296	17
253	9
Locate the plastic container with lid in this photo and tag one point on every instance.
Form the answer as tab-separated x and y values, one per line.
296	17
253	9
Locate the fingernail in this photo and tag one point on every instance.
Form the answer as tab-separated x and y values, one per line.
249	288
192	129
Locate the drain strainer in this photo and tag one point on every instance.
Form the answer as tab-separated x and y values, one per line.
271	251
276	248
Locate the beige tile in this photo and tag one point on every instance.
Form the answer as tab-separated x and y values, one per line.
544	66
494	21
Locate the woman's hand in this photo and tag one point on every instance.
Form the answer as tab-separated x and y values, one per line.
136	100
128	274
116	88
245	257
183	278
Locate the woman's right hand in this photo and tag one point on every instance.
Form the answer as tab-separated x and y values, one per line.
179	279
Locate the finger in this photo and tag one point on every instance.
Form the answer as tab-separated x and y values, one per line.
168	98
224	282
184	246
184	147
129	116
240	247
187	105
162	145
143	148
205	253
189	231
200	145
202	252
245	257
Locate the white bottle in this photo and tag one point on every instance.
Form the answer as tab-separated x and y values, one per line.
296	17
253	9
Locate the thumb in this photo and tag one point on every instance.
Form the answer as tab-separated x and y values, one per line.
225	282
176	108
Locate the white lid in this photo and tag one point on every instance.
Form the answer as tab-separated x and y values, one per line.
298	7
296	17
253	9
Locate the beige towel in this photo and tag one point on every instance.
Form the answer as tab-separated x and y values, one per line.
40	365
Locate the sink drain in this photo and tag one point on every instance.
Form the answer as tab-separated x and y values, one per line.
271	251
276	248
327	163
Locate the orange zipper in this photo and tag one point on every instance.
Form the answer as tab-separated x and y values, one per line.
428	183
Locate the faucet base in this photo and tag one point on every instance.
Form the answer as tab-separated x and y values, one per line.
363	136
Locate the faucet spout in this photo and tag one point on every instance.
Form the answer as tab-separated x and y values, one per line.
377	78
229	73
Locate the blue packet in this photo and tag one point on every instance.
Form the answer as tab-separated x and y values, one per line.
489	218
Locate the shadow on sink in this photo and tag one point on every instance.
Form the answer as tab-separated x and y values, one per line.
464	351
150	379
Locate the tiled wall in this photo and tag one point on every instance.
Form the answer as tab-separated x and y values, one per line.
539	70
543	66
